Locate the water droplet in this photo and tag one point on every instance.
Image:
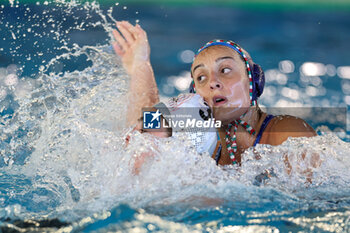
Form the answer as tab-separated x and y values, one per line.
125	7
13	35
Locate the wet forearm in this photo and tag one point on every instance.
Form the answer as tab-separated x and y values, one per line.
143	91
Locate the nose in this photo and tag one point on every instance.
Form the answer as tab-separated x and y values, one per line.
215	82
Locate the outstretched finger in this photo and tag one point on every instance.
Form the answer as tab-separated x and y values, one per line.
132	29
117	49
121	41
140	31
126	31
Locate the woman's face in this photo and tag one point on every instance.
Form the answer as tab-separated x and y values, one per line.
220	77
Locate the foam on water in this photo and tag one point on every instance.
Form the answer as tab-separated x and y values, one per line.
64	154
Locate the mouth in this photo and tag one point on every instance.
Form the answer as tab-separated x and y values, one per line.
219	100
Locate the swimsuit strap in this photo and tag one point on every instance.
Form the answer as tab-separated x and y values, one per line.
262	128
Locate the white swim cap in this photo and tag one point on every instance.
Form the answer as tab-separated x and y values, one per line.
196	115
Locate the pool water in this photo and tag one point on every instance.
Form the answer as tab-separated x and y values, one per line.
64	163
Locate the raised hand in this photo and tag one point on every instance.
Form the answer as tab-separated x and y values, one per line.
131	45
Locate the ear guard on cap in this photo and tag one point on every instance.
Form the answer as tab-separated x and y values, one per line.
258	81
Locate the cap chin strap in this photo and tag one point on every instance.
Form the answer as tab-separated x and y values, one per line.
231	141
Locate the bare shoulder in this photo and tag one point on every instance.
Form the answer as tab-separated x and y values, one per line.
282	127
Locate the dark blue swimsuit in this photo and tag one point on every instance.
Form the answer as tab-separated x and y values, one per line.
257	140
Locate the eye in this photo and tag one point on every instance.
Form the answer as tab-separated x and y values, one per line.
200	78
225	70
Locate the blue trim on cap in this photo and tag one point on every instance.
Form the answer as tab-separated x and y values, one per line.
220	43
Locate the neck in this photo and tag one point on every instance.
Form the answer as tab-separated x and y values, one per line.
243	139
253	117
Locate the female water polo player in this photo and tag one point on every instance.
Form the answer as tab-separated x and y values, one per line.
227	79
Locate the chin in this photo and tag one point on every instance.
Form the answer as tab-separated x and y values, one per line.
227	115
